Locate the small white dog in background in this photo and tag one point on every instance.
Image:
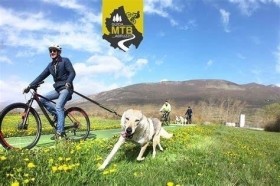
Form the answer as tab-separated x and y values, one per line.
181	120
140	129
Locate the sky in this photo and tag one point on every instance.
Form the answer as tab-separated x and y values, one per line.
233	40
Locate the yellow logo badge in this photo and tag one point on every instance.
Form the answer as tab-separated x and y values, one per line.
122	23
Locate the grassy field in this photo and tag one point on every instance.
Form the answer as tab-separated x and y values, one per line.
196	155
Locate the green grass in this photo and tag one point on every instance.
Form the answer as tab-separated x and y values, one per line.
197	155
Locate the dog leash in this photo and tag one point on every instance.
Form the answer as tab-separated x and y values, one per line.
98	104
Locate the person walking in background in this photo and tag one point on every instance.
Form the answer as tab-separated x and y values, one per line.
188	115
63	75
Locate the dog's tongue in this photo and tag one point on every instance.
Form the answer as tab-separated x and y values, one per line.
126	135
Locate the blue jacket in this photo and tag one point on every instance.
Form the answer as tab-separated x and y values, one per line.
62	72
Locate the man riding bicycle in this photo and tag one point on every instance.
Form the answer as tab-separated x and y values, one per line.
63	75
166	109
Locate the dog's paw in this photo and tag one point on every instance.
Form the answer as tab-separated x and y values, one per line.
140	159
101	168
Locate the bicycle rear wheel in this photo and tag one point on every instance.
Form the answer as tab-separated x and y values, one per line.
77	124
14	133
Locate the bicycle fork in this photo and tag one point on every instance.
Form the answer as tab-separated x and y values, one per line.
24	124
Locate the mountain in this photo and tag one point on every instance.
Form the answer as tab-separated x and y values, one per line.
183	92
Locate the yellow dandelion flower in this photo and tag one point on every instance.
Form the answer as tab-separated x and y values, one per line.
70	167
2	158
30	165
65	168
26	181
98	158
112	170
46	150
54	168
170	183
16	183
60	167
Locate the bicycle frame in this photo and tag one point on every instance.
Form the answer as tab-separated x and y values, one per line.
35	96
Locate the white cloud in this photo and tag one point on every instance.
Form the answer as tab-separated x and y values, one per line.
225	19
241	56
98	65
161	8
27	29
69	4
248	7
5	59
12	89
87	86
189	25
23	20
210	62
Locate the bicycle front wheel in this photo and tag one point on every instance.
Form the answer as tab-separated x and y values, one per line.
18	127
77	124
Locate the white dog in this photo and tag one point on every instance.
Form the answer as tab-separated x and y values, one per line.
181	120
140	129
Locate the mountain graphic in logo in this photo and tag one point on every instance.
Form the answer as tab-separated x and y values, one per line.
122	30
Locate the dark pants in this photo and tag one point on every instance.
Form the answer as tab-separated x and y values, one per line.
189	119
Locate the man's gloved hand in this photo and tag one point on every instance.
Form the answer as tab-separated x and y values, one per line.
68	85
26	90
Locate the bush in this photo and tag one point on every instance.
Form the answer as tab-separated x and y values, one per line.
273	126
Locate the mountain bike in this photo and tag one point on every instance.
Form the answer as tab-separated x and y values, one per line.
133	16
21	124
165	118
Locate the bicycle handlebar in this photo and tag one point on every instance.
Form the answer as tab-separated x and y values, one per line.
34	87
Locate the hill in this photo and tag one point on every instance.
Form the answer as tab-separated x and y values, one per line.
182	93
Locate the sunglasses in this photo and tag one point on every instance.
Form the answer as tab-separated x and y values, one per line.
53	51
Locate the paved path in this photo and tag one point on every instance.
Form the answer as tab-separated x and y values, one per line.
45	140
